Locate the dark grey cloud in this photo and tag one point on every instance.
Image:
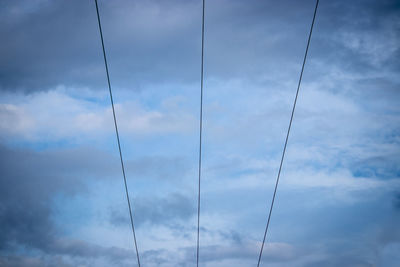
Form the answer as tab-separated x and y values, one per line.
355	23
68	253
28	185
22	262
340	260
359	251
47	43
396	201
57	42
31	180
28	182
165	211
383	167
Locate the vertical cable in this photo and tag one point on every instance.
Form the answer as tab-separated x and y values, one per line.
287	134
201	132
117	134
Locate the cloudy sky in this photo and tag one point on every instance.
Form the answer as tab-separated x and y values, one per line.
62	199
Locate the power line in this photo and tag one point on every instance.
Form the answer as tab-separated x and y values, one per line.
288	132
117	134
201	132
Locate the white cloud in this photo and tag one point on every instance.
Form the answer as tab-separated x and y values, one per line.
56	115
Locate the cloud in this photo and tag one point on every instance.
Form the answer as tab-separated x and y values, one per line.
373	248
57	115
397	201
155	43
21	262
273	252
173	208
138	37
31	182
340	176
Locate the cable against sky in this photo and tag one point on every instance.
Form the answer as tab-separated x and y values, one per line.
287	134
117	134
200	133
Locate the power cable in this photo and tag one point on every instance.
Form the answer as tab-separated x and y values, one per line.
201	133
287	134
117	134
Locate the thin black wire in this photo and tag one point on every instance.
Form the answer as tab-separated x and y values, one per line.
201	132
117	134
288	132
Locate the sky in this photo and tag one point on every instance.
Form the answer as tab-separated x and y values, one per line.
62	198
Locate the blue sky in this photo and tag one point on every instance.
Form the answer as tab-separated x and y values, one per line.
62	199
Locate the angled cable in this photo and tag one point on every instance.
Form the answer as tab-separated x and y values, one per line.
117	134
287	134
200	135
